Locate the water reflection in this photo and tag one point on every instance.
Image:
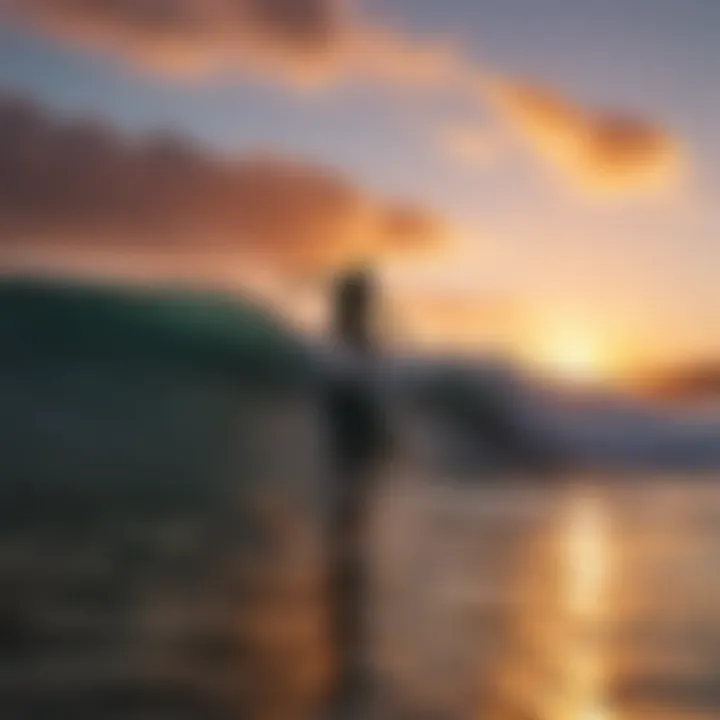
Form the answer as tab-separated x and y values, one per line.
521	602
494	602
585	551
556	665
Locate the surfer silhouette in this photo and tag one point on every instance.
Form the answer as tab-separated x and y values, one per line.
359	441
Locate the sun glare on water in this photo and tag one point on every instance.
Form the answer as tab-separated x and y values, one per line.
586	568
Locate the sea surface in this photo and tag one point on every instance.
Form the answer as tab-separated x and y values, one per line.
591	599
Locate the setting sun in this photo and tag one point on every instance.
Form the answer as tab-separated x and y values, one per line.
574	355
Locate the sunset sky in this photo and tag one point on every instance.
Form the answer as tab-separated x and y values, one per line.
544	170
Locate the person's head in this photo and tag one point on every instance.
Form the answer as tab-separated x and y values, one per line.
354	299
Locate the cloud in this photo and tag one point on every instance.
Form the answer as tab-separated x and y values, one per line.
72	185
597	151
195	36
297	40
459	320
329	41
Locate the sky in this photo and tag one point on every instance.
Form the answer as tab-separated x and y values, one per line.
542	173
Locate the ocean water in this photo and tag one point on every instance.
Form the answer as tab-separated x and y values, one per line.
584	599
593	599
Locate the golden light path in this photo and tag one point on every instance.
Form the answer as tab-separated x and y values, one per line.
585	557
556	670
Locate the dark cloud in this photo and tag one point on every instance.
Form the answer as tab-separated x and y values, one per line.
76	185
312	24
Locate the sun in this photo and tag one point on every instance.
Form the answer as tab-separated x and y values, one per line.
574	355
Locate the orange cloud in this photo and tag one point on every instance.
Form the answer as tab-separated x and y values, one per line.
459	320
195	36
325	40
300	40
76	185
599	152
